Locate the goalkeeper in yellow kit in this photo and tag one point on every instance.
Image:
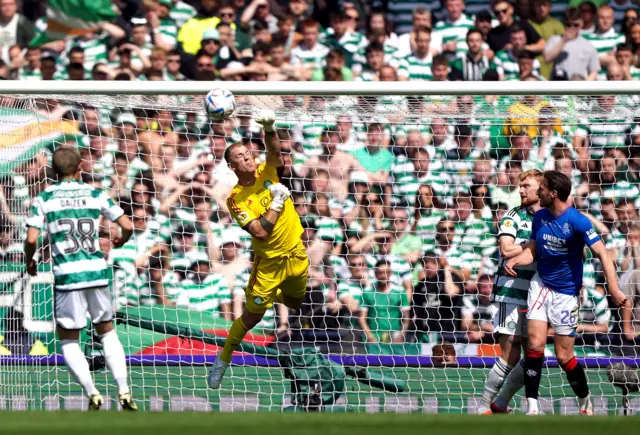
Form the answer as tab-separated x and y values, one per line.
262	207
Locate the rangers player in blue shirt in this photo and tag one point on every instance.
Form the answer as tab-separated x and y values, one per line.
558	237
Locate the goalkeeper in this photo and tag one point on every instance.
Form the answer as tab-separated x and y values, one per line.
262	207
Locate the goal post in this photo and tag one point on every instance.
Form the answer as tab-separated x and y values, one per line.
394	183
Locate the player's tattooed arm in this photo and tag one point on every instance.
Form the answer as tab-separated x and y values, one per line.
267	225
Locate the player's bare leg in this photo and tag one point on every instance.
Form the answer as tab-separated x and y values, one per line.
115	359
78	366
574	371
533	360
510	346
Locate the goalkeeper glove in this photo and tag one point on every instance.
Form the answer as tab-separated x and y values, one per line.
279	195
266	118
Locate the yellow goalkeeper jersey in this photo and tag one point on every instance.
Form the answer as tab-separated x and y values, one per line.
247	203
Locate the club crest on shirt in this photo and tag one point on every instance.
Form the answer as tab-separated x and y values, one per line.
566	229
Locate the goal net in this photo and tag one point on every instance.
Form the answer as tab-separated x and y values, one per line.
400	193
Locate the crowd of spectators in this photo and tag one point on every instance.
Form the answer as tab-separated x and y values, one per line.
400	213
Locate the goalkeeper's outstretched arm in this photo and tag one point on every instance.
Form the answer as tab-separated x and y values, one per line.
267	119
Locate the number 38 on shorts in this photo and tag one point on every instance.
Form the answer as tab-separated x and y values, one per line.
558	309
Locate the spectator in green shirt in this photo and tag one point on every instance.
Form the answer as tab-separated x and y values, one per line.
546	26
374	158
384	314
335	62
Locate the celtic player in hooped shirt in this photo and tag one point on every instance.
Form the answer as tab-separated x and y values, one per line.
70	212
558	238
262	207
509	298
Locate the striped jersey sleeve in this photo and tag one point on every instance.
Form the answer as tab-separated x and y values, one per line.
36	214
109	208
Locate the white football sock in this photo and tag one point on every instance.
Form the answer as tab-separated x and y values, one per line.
513	384
585	403
77	365
495	379
532	405
114	356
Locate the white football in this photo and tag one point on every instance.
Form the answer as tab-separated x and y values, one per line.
219	103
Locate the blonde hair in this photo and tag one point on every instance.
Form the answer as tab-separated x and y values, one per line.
533	173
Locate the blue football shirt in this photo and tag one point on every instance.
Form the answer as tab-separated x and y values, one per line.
560	242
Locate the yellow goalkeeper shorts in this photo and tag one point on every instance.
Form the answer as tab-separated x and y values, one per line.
287	273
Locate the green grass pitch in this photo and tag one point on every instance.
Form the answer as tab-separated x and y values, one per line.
69	423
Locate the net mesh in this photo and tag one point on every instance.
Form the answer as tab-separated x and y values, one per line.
400	199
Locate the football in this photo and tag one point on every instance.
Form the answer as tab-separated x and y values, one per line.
219	103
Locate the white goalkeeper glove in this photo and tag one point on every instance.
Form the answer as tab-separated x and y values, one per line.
267	119
279	195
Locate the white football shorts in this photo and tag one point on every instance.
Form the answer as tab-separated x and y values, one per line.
557	309
509	319
71	307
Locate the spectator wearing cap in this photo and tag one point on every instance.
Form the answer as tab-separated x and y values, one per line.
351	43
473	64
15	27
546	26
605	38
571	53
210	43
309	52
190	34
139	45
126	126
164	30
452	30
506	61
499	37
